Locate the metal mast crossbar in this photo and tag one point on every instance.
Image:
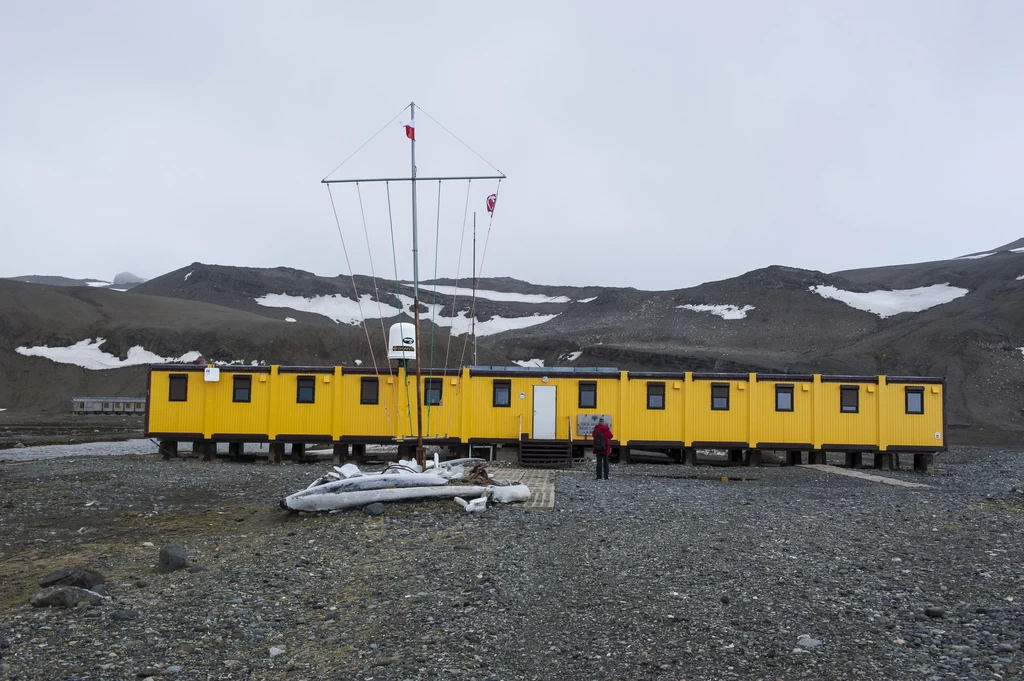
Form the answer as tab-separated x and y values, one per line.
418	179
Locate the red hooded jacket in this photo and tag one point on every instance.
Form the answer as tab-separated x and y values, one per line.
607	432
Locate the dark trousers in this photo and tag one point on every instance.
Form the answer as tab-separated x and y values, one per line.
602	466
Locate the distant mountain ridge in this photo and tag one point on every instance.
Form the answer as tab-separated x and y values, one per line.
774	319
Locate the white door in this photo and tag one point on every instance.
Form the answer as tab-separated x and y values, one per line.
543	412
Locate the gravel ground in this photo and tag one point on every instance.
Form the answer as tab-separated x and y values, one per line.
662	572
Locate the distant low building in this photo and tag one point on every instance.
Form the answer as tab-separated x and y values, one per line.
108	405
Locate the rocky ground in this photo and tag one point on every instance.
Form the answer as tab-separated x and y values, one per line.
33	430
662	572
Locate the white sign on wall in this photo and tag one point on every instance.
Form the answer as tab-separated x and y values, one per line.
211	374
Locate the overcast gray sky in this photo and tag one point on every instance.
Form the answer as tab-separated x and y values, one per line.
655	145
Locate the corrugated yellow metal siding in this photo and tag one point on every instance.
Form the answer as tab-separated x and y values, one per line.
483	420
838	427
228	416
467	409
640	423
372	420
705	424
442	421
176	417
487	421
302	418
779	427
913	430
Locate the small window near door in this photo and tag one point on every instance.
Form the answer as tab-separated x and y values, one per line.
242	389
588	395
783	398
305	392
369	390
502	394
720	396
849	399
915	400
432	391
178	388
655	395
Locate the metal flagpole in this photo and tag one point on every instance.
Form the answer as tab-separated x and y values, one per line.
421	455
474	288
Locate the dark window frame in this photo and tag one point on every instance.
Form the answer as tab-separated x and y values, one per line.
719	386
784	389
428	385
587	388
305	382
913	390
176	380
656	389
501	384
364	383
845	390
246	382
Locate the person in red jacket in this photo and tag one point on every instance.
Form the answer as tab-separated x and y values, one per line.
602	447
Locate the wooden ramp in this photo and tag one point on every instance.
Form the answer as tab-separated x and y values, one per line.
862	476
540	482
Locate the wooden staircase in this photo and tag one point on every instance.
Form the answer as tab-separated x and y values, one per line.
545	454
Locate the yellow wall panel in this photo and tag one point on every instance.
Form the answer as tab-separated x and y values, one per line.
711	425
845	428
913	430
176	417
778	427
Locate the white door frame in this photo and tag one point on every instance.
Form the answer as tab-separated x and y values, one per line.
544	412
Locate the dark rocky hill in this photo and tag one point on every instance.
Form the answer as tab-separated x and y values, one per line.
772	319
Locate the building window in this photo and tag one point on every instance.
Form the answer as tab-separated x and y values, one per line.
305	392
655	395
242	389
588	395
502	394
783	398
849	399
720	396
432	391
369	390
178	388
915	400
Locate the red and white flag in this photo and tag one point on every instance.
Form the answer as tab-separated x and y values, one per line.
491	200
410	130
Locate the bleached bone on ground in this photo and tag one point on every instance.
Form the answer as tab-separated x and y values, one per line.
349	470
477	505
324	479
509	494
456	468
360	498
336	490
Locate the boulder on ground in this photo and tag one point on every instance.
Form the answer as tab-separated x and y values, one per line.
171	558
64	597
375	508
83	578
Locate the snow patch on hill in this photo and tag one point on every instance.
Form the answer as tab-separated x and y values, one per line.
529	362
723	311
87	354
975	257
337	307
889	303
497	296
346	311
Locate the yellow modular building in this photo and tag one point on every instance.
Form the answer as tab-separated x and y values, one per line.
548	411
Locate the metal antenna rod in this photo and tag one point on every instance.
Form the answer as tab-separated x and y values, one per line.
475	362
421	455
